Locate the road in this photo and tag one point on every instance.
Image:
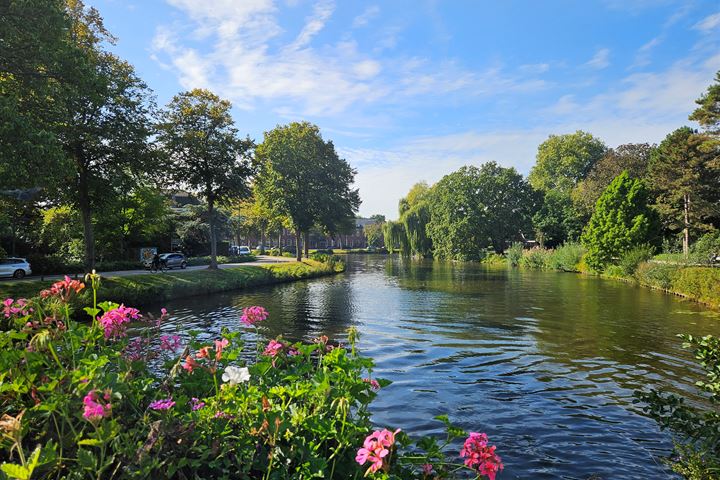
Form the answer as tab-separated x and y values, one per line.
261	260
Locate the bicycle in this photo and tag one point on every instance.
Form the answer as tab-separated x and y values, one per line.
161	265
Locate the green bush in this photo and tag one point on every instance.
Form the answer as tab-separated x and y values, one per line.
53	265
197	261
658	275
700	283
494	259
706	248
514	254
119	265
82	400
566	257
536	258
635	256
695	425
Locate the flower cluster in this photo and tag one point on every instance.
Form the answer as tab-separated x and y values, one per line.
234	375
196	404
170	343
95	408
480	456
273	348
191	363
63	289
137	349
115	322
17	307
253	315
164	404
376	448
372	382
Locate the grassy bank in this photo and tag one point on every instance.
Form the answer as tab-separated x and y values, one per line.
142	289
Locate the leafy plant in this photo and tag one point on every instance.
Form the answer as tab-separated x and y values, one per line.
514	254
567	257
630	260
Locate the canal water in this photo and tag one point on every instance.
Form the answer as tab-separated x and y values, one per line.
545	363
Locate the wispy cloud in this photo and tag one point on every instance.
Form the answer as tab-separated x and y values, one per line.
643	54
600	60
365	17
711	23
314	24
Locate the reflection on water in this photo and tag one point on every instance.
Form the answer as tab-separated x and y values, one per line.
544	362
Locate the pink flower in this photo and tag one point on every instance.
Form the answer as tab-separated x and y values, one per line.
219	346
204	352
136	349
427	469
190	364
196	404
115	322
11	307
170	342
253	315
95	410
273	348
480	456
375	448
165	404
373	383
63	289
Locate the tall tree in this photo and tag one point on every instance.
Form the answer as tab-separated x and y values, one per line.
563	160
621	221
199	136
708	112
414	210
632	157
557	220
473	208
373	234
302	178
685	178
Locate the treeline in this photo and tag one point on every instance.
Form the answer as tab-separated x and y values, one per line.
612	200
88	161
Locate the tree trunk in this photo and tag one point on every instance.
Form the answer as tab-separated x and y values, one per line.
213	240
298	246
279	245
262	242
86	216
306	244
686	230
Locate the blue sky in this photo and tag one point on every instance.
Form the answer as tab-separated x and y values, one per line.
412	90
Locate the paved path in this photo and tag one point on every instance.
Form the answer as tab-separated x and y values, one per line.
261	260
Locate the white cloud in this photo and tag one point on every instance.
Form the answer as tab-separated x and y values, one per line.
600	60
709	23
315	23
365	17
642	56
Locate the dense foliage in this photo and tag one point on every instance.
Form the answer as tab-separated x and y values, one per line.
121	397
622	220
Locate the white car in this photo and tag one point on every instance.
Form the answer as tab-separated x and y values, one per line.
14	267
244	251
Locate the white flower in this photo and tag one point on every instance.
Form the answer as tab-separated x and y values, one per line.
234	375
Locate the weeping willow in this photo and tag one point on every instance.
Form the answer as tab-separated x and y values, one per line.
395	238
415	221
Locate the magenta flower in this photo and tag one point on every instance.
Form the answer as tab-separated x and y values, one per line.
253	315
375	449
170	343
11	307
95	409
115	322
427	469
165	404
136	349
273	348
372	382
196	404
480	456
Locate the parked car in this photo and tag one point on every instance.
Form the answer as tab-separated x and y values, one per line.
244	250
14	267
174	260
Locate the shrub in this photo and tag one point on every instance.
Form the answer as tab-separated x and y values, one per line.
53	265
658	275
85	401
494	259
514	254
635	256
706	248
567	257
700	283
697	453
197	261
535	258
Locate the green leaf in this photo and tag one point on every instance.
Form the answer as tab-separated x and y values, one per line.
15	471
92	442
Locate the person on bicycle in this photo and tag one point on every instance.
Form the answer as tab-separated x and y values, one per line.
155	265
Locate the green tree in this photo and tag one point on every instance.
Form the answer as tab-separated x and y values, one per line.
473	208
198	134
685	176
557	221
414	210
373	234
395	238
563	160
708	112
622	220
632	157
302	178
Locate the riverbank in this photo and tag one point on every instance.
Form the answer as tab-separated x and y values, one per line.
139	290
